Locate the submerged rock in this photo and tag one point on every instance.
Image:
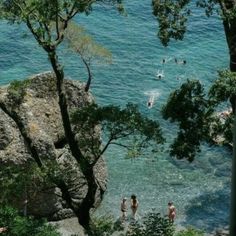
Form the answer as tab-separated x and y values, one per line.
33	105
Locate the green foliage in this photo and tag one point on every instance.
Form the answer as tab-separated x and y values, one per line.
38	15
17	91
189	107
102	226
82	43
132	130
197	116
23	182
173	15
172	18
224	87
153	225
18	225
190	232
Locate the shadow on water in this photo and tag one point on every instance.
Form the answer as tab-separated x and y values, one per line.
209	211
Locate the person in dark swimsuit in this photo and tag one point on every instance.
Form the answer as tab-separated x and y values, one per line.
123	208
134	205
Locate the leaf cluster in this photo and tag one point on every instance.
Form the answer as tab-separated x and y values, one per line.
190	232
196	114
153	225
17	91
18	225
120	126
83	44
38	15
102	226
172	17
189	107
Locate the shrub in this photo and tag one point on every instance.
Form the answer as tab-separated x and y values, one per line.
153	225
190	232
24	226
102	226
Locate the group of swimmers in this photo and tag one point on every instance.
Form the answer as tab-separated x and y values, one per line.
160	73
134	203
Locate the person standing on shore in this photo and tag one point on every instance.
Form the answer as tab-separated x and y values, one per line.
171	212
134	205
123	208
3	229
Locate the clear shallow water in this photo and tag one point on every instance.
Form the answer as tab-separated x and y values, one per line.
200	190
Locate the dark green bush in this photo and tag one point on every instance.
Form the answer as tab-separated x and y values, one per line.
102	226
153	225
190	232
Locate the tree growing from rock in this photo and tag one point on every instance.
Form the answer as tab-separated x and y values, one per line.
38	16
172	17
48	22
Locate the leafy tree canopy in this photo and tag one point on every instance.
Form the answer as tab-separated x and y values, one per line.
195	113
124	127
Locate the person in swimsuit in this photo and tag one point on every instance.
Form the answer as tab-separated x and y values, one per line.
3	229
134	205
171	212
123	208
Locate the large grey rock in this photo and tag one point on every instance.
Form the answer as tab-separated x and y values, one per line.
39	113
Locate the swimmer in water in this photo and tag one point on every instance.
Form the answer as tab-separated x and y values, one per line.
150	101
160	74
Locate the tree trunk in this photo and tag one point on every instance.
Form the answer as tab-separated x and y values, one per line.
89	76
232	48
83	213
233	177
233	184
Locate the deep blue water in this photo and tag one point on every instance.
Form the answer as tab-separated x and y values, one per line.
200	190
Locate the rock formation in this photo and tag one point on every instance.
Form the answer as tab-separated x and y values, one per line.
30	117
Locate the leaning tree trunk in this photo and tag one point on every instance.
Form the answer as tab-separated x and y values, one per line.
230	30
83	212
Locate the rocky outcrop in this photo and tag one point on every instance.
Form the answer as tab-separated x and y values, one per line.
30	122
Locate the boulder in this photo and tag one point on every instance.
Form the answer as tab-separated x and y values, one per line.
34	106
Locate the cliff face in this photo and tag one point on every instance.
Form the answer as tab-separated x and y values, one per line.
31	118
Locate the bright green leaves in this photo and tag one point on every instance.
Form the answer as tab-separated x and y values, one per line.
83	44
124	127
172	18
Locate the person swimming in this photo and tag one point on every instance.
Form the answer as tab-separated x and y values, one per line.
160	74
150	101
180	62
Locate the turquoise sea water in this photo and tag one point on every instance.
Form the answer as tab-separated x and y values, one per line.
200	190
